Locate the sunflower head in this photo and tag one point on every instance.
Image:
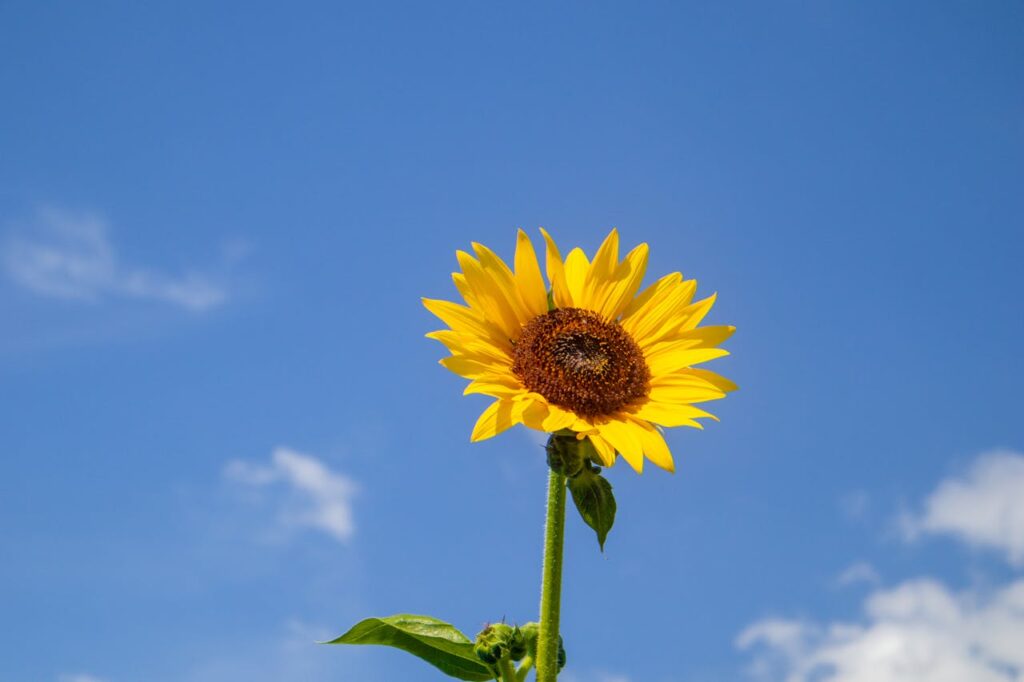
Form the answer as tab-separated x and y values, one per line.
586	351
577	360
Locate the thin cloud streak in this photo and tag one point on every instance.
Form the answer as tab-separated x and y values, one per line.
859	572
595	676
70	256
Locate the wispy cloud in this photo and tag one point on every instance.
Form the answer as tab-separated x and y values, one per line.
70	256
594	676
859	572
79	677
984	507
316	497
855	505
293	655
920	629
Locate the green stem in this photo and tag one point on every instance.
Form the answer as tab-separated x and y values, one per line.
508	671
551	583
524	669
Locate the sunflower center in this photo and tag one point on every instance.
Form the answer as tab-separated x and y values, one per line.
579	362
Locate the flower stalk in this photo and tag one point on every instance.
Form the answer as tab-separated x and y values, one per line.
551	580
508	670
524	669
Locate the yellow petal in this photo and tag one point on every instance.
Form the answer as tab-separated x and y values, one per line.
467	367
499	365
460	344
491	259
703	337
583	426
528	277
557	419
656	449
671	414
556	273
665	358
522	403
696	312
576	266
604	449
602	269
681	323
495	419
505	280
464	320
618	293
491	299
685	377
465	290
683	394
506	379
661	314
623	436
534	414
716	380
653	291
491	388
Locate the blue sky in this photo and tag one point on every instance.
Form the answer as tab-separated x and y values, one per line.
225	435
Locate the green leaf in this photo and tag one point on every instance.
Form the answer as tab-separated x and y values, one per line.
435	641
592	494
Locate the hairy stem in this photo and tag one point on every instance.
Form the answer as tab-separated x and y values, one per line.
524	669
551	582
508	671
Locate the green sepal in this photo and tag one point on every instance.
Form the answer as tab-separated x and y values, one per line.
592	494
434	641
565	453
498	641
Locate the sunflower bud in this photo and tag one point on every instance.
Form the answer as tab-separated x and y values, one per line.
530	631
499	641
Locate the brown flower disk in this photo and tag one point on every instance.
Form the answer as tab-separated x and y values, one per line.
579	362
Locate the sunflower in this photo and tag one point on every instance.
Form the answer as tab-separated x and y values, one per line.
590	354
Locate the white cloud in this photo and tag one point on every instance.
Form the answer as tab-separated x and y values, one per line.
984	507
859	572
79	677
783	637
919	631
70	256
319	498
